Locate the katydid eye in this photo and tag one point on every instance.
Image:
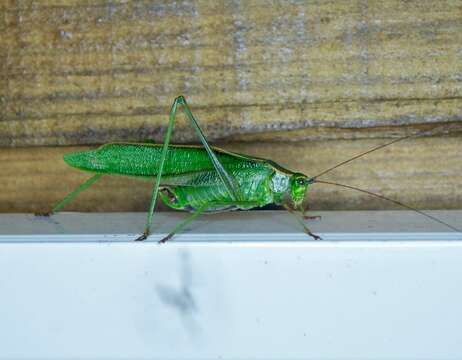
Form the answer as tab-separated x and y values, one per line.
300	182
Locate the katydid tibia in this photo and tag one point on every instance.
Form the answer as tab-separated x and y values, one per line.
206	179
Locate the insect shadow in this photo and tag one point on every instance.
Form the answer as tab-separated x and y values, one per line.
182	299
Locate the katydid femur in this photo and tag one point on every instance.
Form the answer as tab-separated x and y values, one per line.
206	179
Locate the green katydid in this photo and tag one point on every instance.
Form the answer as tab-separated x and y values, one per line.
205	179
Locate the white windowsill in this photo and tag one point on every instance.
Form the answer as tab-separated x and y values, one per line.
254	226
248	285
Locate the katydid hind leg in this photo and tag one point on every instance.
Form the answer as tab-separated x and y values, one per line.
155	189
229	182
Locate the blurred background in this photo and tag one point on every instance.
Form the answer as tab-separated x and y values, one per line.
305	83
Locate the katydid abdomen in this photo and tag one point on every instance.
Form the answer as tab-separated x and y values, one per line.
214	198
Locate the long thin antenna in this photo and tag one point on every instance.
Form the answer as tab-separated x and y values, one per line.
377	148
390	200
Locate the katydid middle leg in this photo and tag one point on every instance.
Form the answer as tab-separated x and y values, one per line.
229	182
200	210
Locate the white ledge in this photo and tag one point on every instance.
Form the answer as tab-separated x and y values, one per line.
249	285
255	226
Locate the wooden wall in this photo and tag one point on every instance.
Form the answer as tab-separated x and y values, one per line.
305	83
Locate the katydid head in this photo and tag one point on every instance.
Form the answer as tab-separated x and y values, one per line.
298	185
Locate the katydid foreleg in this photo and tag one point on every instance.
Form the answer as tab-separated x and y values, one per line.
299	219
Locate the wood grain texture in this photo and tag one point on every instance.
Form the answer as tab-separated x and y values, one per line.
85	72
423	172
305	83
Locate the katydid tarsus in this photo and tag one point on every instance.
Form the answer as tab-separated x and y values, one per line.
207	179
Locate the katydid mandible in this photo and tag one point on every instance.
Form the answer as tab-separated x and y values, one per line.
205	179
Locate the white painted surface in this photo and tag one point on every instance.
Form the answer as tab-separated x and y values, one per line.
244	286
